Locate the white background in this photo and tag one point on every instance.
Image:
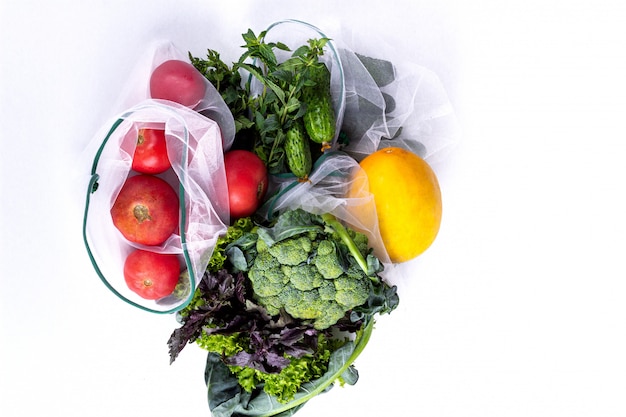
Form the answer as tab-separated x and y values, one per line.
518	309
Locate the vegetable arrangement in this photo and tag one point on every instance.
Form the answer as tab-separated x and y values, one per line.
276	294
270	305
286	300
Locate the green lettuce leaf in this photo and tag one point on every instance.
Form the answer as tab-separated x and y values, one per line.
227	399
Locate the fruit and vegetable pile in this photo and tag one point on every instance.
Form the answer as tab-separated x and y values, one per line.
288	292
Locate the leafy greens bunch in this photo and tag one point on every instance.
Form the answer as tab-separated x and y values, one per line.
271	103
283	343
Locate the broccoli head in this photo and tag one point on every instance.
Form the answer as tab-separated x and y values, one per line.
308	276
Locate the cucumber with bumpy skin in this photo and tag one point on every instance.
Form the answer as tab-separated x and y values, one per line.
297	150
319	119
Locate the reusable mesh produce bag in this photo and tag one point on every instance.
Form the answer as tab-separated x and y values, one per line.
196	141
297	33
326	191
195	150
137	89
391	101
386	103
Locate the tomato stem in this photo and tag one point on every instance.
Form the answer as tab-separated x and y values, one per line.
141	213
140	137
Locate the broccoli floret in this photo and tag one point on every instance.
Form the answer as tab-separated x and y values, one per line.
272	304
325	248
326	260
327	291
351	292
303	277
308	305
332	313
292	251
354	272
266	275
360	240
303	304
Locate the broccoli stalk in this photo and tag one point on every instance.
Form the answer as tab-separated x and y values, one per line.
336	225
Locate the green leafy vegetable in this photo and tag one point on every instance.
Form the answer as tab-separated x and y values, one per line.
268	359
270	101
289	224
228	83
284	384
228	399
228	323
234	232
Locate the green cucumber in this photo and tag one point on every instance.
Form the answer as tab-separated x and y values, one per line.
319	119
297	150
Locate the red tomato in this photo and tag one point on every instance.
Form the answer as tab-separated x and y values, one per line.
146	210
177	81
151	275
246	176
151	152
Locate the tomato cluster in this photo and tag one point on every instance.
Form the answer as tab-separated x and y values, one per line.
146	210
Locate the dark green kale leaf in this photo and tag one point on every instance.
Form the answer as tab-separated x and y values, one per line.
289	224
